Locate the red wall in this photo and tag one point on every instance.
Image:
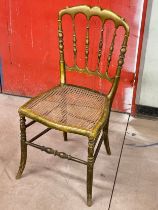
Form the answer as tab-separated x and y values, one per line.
29	46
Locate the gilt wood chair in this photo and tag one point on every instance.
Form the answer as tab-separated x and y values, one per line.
75	109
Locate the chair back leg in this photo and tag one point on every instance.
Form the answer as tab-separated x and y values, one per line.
106	143
106	138
65	136
23	147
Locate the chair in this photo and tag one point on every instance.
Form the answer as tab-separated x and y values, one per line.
75	109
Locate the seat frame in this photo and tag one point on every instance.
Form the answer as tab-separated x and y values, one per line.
103	124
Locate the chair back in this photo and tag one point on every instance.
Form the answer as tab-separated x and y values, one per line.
104	15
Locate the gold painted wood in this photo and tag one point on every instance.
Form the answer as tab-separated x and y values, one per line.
74	41
111	51
104	15
90	164
61	50
65	136
23	147
100	47
123	50
54	152
89	72
87	46
103	121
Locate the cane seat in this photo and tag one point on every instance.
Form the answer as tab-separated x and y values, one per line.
75	107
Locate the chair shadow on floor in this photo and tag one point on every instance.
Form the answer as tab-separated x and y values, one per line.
99	195
145	145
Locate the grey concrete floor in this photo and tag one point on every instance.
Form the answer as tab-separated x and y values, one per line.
126	180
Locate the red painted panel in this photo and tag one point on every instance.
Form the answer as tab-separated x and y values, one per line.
133	109
29	47
4	49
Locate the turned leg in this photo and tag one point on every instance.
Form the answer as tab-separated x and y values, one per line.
90	164
106	139
65	136
23	147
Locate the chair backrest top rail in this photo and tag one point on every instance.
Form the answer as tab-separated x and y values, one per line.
103	14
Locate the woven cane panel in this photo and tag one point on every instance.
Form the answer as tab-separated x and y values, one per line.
70	106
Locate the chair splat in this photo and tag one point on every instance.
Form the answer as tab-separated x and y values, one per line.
74	40
100	46
111	49
87	45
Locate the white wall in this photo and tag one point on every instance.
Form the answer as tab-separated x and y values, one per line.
147	92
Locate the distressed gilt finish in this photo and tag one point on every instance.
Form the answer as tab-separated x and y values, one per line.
23	146
90	164
103	122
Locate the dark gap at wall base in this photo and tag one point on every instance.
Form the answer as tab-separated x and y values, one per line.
146	111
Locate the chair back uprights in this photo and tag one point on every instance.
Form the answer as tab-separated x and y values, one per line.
104	15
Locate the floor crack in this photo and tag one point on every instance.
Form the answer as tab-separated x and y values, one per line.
119	162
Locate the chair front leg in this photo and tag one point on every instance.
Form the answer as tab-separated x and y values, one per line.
90	164
23	147
106	138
